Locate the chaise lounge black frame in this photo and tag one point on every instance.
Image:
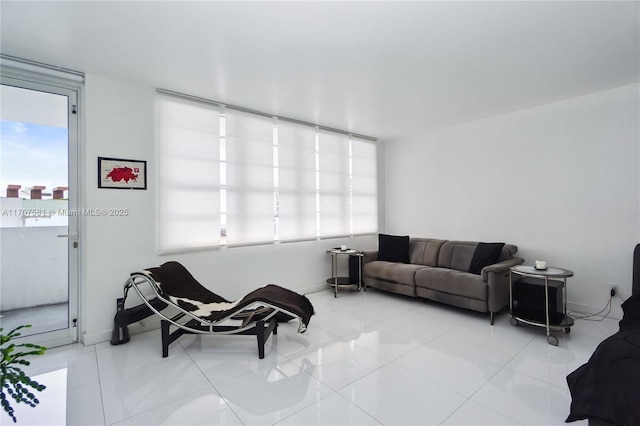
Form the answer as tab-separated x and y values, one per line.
171	285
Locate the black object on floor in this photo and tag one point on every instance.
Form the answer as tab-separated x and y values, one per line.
529	300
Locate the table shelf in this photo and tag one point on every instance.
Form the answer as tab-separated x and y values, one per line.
537	317
342	281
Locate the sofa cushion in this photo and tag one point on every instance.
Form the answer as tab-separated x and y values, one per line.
393	248
397	288
452	282
485	254
424	251
508	251
456	255
403	273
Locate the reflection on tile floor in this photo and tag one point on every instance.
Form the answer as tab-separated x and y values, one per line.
367	359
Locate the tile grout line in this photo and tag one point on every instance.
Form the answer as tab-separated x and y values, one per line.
104	413
226	401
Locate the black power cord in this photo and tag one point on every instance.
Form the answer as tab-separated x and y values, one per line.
588	317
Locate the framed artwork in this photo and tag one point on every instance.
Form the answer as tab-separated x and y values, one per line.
122	174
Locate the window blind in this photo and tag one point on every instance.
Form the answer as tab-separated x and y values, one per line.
364	186
334	185
188	174
250	183
231	176
296	182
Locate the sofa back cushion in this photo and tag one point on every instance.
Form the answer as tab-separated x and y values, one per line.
508	251
393	248
458	254
424	251
485	254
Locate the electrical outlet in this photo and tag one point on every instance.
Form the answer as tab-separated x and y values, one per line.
613	289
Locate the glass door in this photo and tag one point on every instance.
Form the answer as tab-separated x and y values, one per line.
38	211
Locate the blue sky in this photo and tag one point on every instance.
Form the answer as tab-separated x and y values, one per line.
32	154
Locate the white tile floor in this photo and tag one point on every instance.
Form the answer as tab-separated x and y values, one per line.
367	358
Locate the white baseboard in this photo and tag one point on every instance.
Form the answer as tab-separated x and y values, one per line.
147	324
313	288
615	313
95	338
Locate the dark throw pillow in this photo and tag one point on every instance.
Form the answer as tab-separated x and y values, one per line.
486	254
393	248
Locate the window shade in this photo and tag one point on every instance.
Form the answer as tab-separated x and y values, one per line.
188	174
255	179
364	186
250	188
297	181
334	184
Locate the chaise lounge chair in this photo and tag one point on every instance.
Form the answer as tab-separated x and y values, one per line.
201	311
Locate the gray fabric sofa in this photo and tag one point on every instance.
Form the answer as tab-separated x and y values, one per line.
437	270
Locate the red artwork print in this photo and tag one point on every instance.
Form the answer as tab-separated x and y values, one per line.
122	173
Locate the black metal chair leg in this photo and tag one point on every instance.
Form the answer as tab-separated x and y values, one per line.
164	325
260	334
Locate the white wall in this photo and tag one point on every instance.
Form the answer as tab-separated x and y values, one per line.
561	181
120	122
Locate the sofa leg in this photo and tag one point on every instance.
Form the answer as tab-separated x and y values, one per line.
492	316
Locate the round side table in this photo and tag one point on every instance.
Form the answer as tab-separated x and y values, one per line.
540	316
335	280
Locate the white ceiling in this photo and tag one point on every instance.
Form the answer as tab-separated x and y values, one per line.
384	69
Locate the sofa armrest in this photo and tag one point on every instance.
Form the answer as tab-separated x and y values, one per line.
497	278
369	256
500	267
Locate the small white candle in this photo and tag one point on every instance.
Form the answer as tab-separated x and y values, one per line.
343	247
541	264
